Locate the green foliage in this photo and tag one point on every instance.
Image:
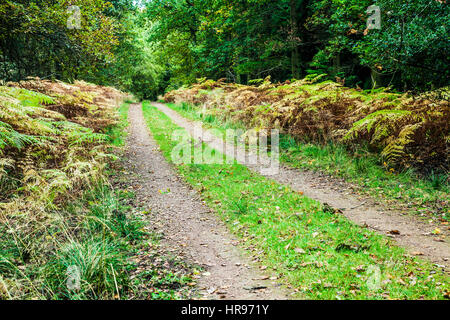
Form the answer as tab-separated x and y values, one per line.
137	67
157	46
408	52
252	39
35	39
12	138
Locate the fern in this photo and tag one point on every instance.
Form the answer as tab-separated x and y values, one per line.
396	148
27	97
315	110
12	138
377	121
78	134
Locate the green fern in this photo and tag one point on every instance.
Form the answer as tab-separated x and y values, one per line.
26	97
396	148
78	134
12	138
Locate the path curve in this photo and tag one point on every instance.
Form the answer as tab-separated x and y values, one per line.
406	230
188	225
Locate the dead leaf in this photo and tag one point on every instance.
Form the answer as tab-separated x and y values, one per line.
360	268
447	294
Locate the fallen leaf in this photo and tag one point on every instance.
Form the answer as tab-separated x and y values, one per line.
360	268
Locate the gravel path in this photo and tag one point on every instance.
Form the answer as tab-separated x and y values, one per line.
408	231
188	226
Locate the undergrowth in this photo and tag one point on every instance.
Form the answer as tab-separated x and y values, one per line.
406	131
61	222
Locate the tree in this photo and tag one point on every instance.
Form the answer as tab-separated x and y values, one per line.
35	39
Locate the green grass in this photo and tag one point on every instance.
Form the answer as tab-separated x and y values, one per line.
106	237
116	133
93	234
321	254
427	196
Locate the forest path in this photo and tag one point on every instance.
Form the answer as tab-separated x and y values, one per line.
190	230
407	231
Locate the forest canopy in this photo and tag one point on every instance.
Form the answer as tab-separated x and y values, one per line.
149	47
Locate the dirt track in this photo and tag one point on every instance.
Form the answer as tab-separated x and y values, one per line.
189	228
408	231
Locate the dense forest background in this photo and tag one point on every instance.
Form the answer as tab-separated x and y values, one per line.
149	47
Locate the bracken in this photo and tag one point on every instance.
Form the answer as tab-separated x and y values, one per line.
405	130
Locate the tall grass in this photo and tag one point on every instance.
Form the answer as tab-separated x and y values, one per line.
92	235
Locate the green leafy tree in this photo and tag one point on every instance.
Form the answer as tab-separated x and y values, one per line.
35	39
